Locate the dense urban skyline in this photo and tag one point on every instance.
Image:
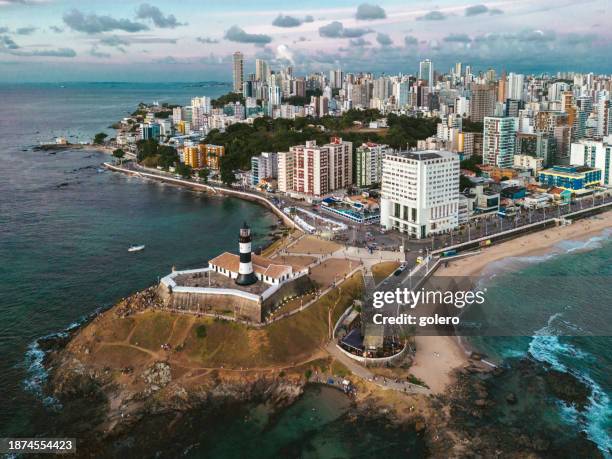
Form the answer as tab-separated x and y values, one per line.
138	41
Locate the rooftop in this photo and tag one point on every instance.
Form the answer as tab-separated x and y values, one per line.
424	154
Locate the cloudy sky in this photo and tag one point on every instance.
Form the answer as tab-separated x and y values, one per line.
55	40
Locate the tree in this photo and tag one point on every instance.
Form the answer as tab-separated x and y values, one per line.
203	174
99	138
464	182
226	99
226	170
118	153
184	170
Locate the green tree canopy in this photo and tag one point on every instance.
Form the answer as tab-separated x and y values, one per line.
99	138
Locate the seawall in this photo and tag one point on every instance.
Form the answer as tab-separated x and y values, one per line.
287	221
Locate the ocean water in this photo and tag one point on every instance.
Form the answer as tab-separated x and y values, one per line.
66	224
556	310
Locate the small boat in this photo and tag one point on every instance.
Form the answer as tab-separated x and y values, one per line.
136	248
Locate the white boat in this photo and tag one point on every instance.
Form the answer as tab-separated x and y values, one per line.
136	248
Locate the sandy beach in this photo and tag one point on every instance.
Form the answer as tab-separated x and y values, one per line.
438	356
538	243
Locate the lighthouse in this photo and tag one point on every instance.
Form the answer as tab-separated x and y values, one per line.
246	276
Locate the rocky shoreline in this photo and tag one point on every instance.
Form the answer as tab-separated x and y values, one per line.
145	410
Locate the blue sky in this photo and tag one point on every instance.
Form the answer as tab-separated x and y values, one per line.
54	40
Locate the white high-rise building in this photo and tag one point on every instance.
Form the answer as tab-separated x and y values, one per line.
420	192
594	153
368	163
499	140
177	115
261	70
604	112
515	88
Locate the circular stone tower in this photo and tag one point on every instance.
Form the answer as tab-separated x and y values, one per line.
246	276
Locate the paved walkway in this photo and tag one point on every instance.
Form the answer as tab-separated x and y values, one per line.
365	374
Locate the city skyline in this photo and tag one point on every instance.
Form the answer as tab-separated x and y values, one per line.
137	41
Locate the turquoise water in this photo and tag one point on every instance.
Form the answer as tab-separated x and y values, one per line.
65	226
562	301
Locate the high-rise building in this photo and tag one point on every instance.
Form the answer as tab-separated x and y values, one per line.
604	118
403	93
482	102
318	170
238	71
261	70
285	167
594	153
515	89
426	72
335	78
263	166
501	88
211	154
368	163
499	139
420	192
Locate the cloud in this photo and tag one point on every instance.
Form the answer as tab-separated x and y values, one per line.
331	30
475	10
146	11
8	43
238	35
286	21
432	16
409	40
96	53
383	39
4	29
59	52
283	53
367	12
309	18
167	60
114	41
457	38
576	39
335	29
359	42
25	30
56	29
207	40
92	23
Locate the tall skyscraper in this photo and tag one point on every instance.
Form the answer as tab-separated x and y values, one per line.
238	71
482	102
501	89
335	78
499	140
516	82
261	70
426	72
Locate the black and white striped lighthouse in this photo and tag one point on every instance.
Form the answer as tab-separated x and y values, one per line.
246	276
